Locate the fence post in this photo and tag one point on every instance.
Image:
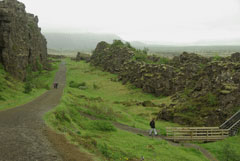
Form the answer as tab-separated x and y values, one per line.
174	135
191	135
207	135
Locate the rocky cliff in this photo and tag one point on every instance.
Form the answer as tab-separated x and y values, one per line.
204	91
21	41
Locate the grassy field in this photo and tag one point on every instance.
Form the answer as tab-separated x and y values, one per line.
89	91
12	90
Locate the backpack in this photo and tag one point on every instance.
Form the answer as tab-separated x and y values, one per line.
151	123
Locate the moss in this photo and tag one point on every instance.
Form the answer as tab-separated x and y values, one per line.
225	92
230	87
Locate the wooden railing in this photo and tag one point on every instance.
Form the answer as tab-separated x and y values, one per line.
196	133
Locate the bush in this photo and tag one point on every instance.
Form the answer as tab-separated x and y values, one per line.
39	67
212	99
40	85
229	153
101	110
163	60
105	150
1	98
102	125
117	43
145	51
81	85
139	56
128	45
61	116
95	86
27	87
217	58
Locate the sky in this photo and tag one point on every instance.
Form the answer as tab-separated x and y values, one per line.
158	21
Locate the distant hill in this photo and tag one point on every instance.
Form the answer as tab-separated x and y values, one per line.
79	41
87	42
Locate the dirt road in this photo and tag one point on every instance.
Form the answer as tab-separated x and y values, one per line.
25	137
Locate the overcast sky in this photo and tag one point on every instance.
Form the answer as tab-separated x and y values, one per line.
164	21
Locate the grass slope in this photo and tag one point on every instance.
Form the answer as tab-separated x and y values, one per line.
96	93
225	150
12	91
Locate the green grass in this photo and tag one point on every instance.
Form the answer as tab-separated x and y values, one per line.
108	101
225	150
12	90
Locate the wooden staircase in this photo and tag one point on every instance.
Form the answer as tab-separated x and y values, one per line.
232	124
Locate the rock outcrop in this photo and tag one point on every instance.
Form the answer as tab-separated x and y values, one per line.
21	41
204	91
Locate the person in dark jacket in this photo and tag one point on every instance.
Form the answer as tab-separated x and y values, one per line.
153	129
55	85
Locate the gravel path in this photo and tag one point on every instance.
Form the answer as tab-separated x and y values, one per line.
24	135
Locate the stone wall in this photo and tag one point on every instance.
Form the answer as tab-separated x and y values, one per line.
21	41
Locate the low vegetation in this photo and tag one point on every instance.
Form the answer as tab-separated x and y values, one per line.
87	116
14	92
225	150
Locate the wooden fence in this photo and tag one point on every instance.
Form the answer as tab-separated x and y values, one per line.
196	133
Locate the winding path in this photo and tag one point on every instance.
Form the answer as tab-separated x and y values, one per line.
24	135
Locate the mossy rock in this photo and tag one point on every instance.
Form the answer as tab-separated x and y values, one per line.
148	104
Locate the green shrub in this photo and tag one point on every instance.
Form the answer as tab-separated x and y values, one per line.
139	56
117	43
101	110
2	98
212	99
103	125
163	60
61	116
104	150
229	153
39	67
217	57
128	45
145	51
27	87
1	67
41	85
81	85
95	86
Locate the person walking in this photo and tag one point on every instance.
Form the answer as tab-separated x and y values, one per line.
153	129
55	85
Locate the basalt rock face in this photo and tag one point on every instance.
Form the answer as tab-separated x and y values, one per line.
204	91
159	79
21	41
210	97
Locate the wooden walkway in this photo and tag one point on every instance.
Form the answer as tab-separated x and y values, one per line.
196	133
228	128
